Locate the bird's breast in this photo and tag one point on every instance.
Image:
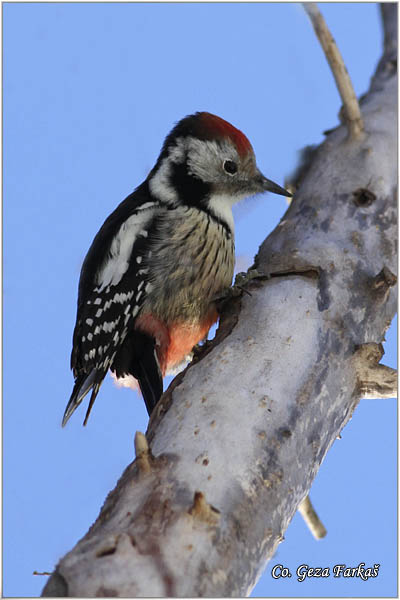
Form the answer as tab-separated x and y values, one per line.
192	260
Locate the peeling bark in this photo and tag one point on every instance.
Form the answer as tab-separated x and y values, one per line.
232	452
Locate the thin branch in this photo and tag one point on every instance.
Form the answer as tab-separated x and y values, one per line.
311	518
350	103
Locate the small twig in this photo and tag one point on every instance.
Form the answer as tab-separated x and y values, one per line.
343	82
142	453
46	573
311	518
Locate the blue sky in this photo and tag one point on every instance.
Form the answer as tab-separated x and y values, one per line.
90	91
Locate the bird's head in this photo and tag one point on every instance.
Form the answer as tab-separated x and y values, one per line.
207	161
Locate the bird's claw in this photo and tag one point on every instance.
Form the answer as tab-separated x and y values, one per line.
238	288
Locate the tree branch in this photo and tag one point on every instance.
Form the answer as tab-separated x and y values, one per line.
311	518
352	112
236	441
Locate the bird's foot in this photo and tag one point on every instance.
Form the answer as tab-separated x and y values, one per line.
238	288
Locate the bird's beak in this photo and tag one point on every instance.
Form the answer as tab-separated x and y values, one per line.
270	186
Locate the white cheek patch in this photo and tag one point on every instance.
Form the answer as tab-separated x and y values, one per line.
221	207
159	184
121	249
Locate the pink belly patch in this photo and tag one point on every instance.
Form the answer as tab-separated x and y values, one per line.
175	341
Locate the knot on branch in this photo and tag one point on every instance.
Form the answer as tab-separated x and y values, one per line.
382	282
363	197
203	511
373	379
143	454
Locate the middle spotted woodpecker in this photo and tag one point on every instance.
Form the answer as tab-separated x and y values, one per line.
148	283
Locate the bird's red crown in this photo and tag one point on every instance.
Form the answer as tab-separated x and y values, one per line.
217	127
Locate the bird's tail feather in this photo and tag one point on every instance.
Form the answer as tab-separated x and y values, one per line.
83	385
95	391
138	357
150	381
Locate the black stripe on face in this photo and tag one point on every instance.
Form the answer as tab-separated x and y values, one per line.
192	191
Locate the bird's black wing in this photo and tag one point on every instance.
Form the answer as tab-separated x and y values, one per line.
112	289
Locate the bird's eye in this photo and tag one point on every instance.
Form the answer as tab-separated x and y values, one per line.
230	167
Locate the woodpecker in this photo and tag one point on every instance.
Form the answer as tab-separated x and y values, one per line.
149	280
